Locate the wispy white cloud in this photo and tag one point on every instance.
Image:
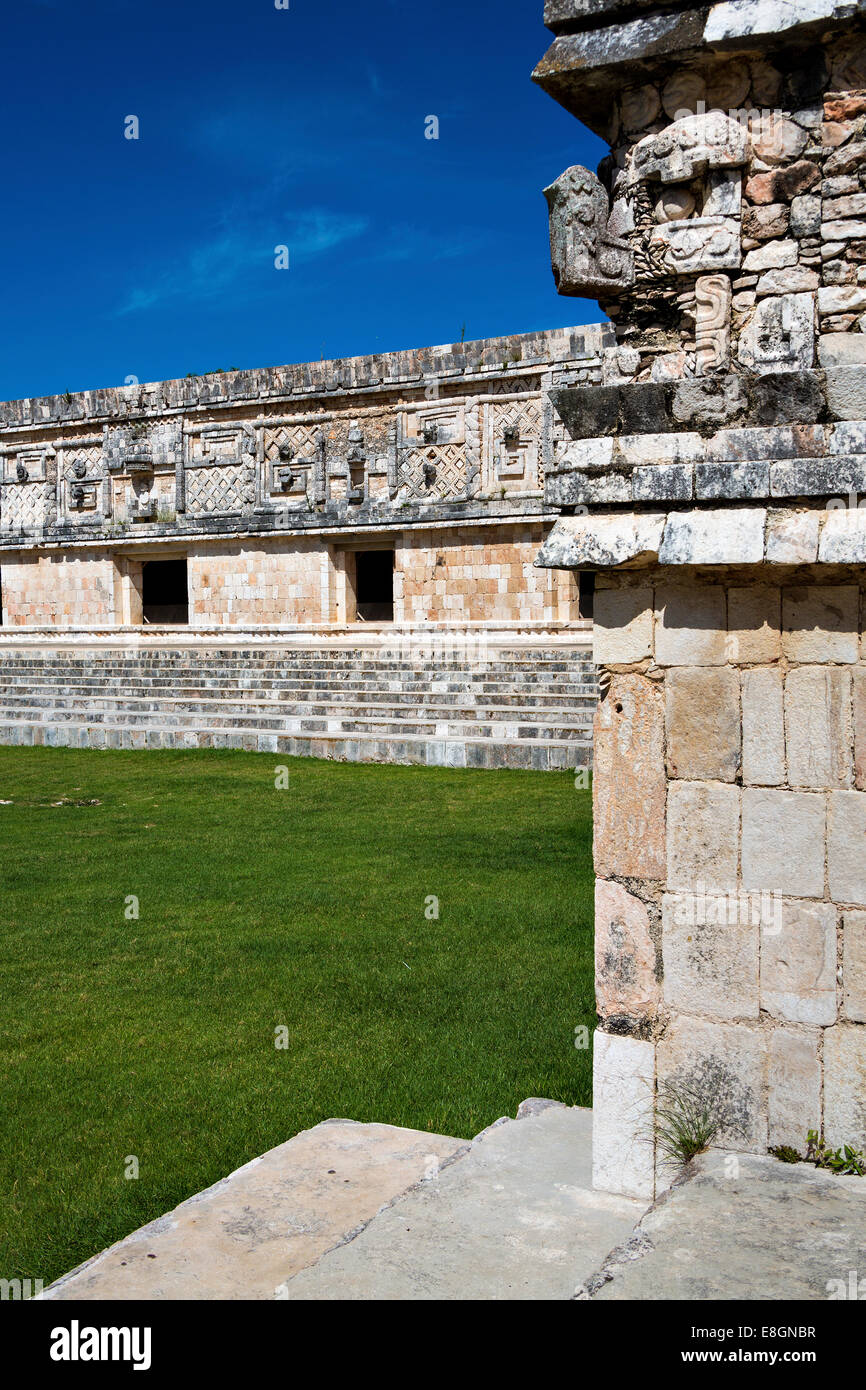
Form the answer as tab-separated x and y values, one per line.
406	242
225	262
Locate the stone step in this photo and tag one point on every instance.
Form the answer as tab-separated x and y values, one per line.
253	1230
473	752
389	709
513	1218
347	1211
88	670
208	656
361	724
746	1227
529	708
518	699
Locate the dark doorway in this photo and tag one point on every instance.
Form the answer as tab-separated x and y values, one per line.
587	593
374	585
165	598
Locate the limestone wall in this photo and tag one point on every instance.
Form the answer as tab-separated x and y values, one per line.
730	849
252	585
489	576
443	575
65	590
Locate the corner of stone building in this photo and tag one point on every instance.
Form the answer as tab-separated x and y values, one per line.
714	483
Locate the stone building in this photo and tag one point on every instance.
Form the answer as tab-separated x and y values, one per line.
406	487
220	542
715	481
283	555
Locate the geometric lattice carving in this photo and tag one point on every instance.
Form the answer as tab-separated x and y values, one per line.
28	505
302	444
223	488
515	433
82	462
435	472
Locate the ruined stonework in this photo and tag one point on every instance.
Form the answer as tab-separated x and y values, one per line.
269	483
715	482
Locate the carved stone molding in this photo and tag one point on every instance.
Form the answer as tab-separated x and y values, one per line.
713	324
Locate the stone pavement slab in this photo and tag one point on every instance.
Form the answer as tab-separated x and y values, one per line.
243	1237
514	1218
743	1227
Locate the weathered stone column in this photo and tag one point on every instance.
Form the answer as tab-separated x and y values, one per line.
715	479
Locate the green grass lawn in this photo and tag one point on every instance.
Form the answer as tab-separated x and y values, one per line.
262	908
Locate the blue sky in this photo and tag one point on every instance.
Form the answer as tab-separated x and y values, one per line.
261	127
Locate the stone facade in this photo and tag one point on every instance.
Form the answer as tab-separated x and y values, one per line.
714	481
268	484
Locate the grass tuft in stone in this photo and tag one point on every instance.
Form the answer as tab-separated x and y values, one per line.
685	1122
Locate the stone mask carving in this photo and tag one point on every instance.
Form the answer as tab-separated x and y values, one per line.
586	258
690	146
708	149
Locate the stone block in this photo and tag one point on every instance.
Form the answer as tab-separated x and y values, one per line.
710	949
841	349
771	256
629	781
703	826
725	1063
854	966
846	846
622	626
691	625
846	392
792	537
602	542
796	280
770	220
806	216
798	963
664	482
625	955
818	727
730	481
845	1085
781	334
754	623
794	1087
709	400
843	537
820	623
859	701
623	1081
729	536
656	449
703	723
783	841
782	399
763	729
818	477
842	299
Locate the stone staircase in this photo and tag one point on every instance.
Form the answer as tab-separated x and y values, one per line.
369	1211
528	706
376	1213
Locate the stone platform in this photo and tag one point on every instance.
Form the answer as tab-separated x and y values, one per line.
369	1211
387	697
350	1211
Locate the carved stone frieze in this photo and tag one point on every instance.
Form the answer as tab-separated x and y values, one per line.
699	245
691	146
